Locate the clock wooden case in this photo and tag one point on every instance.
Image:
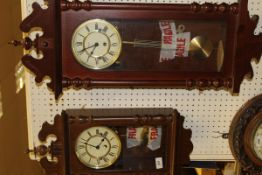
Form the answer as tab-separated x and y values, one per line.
102	141
90	44
245	136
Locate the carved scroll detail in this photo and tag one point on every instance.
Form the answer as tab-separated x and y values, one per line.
248	45
57	147
48	44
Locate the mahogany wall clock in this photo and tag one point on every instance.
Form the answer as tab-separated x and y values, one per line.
88	44
245	136
116	142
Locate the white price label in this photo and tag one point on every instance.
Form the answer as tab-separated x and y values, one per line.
159	162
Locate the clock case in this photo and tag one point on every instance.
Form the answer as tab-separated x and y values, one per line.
240	45
241	133
176	144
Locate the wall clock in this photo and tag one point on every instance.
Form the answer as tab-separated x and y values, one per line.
88	44
116	141
245	136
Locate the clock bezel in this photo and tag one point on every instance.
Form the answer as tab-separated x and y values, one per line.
248	138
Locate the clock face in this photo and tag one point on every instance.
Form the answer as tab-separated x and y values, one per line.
98	147
257	141
96	44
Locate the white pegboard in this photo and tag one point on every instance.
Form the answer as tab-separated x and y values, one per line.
206	112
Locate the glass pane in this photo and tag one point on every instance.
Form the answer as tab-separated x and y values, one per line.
170	45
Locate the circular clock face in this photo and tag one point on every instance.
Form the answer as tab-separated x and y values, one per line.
257	141
98	147
96	44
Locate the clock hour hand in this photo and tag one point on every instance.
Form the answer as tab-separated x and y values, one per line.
98	146
92	52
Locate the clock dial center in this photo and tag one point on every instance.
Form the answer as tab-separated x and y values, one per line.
98	146
97	44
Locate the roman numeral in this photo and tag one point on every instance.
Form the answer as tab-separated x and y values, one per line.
78	43
111	154
105	29
89	134
83	154
98	161
105	159
114	146
81	147
97	132
105	134
87	28
105	59
114	44
112	35
96	26
81	35
97	61
111	53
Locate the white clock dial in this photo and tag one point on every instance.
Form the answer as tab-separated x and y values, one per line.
257	141
96	44
98	147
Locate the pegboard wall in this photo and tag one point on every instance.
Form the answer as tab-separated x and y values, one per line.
207	113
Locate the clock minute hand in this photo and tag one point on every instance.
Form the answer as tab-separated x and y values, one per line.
90	145
92	52
94	45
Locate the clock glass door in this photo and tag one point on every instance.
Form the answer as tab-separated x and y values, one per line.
148	45
119	148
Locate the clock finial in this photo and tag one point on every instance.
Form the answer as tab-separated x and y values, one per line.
41	150
26	43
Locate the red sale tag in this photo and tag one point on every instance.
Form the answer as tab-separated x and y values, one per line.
173	44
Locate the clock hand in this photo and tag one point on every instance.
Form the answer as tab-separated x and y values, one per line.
90	145
85	142
94	45
98	146
92	52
